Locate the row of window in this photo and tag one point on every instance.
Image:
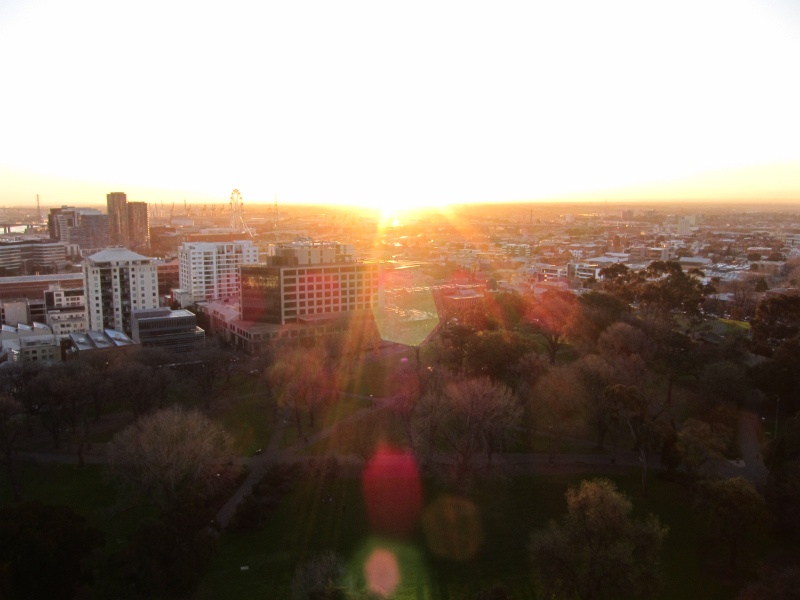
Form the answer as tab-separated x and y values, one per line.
319	311
331	278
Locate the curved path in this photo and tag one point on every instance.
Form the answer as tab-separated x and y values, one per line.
750	466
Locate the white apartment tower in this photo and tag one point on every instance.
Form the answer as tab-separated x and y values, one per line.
210	270
117	282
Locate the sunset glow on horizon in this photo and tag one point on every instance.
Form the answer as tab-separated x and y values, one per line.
398	107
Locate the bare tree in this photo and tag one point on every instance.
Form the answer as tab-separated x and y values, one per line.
743	295
301	382
469	417
172	455
553	404
141	388
551	319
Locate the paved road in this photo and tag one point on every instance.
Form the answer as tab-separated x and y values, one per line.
751	466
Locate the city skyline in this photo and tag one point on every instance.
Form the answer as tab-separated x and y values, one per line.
400	107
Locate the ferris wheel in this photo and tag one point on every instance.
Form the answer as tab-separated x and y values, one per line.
237	214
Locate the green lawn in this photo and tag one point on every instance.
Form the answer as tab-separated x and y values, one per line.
343	407
306	523
360	437
723	326
250	419
367	375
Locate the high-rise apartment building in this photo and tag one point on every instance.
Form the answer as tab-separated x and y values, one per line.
128	222
117	206
117	282
210	270
138	225
307	282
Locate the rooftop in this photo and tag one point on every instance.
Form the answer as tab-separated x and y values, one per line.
115	254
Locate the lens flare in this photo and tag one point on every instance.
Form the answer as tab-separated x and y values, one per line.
452	528
392	492
382	573
407	312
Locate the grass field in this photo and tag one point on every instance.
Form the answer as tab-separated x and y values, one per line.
343	407
331	515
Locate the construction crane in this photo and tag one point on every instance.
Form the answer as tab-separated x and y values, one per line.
171	212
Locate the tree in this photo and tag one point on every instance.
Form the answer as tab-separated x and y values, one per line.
783	485
724	381
553	404
674	355
593	375
598	551
743	295
495	353
467	417
320	578
141	388
699	441
550	319
774	584
172	456
165	558
593	314
301	382
642	418
44	551
777	320
668	289
504	311
621	282
626	349
735	518
213	363
11	427
47	398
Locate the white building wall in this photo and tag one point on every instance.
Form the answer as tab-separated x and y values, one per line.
117	282
209	270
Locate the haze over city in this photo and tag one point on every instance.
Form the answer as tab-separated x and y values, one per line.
379	301
407	105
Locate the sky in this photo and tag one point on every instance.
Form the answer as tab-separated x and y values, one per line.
399	104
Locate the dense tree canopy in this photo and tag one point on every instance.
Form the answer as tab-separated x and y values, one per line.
735	518
777	320
598	551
